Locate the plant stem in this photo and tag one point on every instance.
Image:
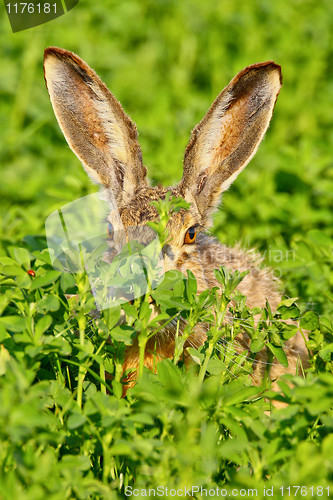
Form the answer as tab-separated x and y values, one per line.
220	313
82	371
60	375
143	339
102	375
203	367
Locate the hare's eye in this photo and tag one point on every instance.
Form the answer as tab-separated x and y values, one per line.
110	230
190	235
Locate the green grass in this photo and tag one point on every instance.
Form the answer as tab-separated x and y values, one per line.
64	430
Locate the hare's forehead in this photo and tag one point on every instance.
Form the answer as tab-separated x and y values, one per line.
141	210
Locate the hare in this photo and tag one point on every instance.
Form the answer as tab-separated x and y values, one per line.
106	141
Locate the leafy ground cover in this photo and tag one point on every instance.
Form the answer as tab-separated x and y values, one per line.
65	430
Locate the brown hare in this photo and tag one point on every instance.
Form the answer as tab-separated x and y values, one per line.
105	140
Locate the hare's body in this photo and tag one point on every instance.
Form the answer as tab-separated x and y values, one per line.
258	286
105	140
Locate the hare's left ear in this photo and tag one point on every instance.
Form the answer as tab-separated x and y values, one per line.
227	138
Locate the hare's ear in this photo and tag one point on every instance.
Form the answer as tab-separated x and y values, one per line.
94	124
223	143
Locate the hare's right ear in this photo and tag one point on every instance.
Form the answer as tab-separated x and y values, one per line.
94	124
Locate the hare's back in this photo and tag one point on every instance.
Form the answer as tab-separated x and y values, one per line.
259	285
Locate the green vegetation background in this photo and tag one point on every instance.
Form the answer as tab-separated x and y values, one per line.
166	60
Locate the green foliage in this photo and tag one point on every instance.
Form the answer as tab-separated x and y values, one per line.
65	430
61	390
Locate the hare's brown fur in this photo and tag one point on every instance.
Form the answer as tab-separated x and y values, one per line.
221	145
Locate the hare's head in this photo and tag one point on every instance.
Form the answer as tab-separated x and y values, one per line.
105	140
